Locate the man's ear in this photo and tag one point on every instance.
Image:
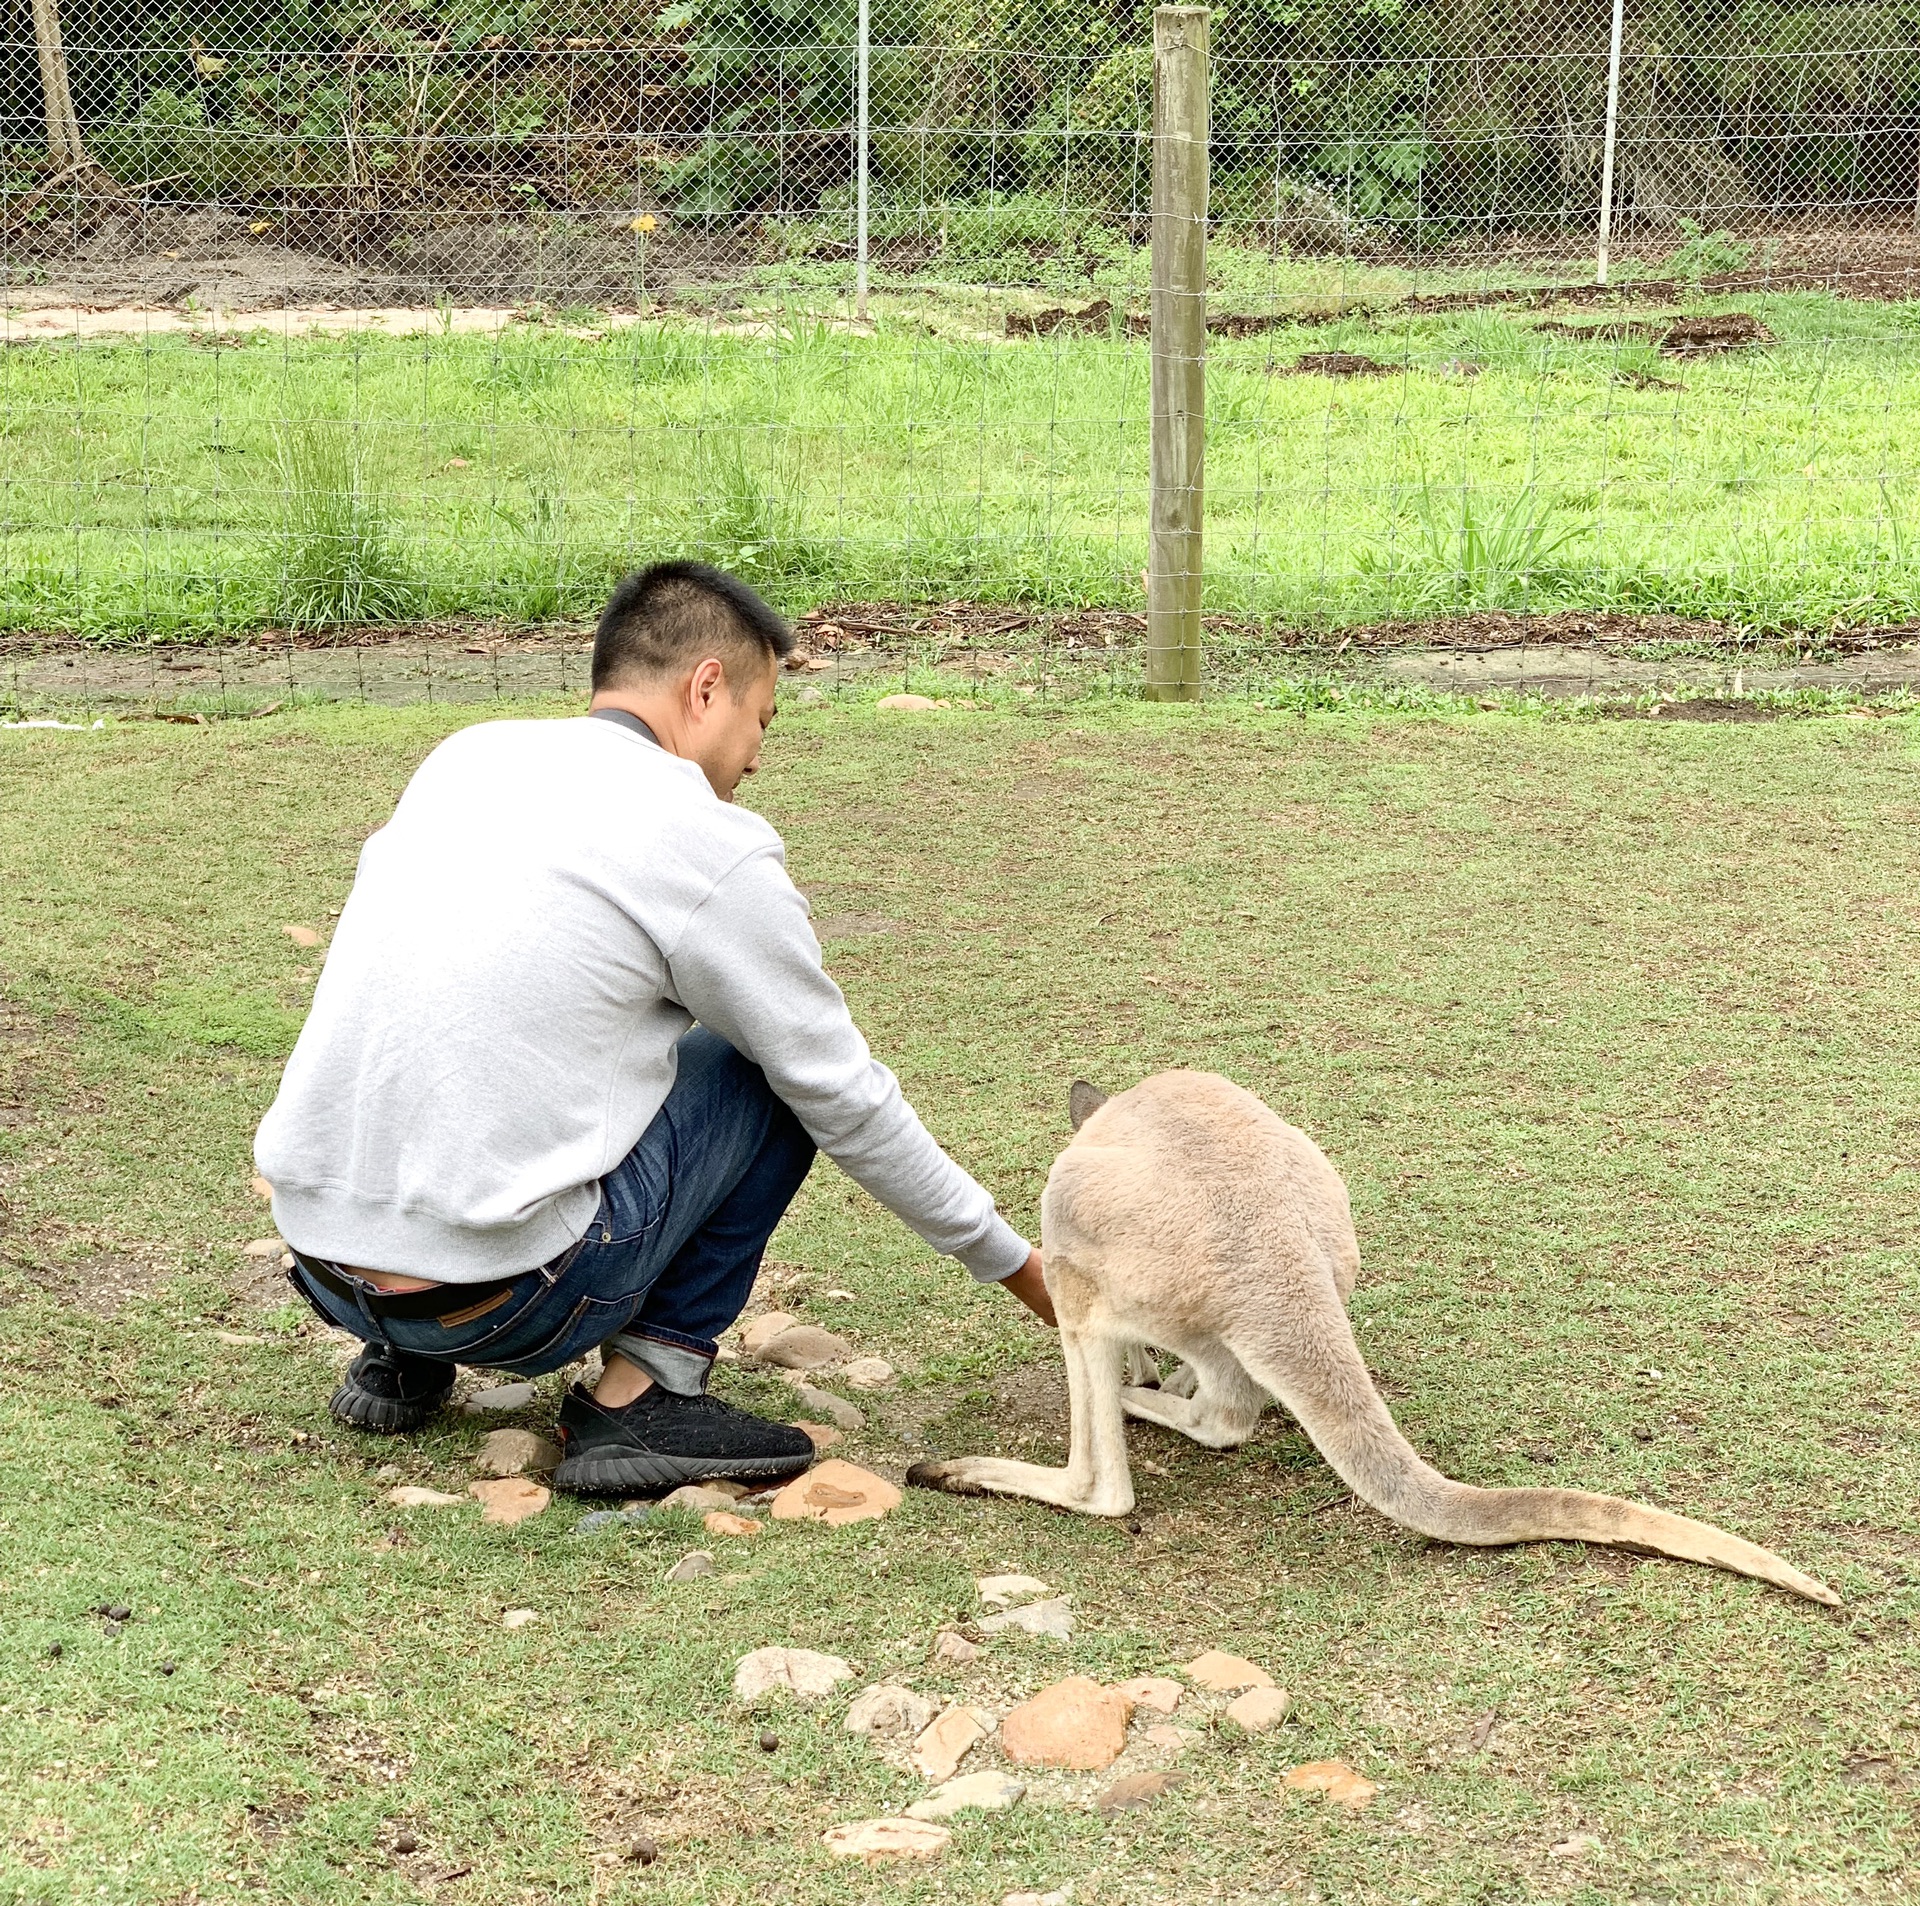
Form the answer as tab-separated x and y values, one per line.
1083	1100
706	681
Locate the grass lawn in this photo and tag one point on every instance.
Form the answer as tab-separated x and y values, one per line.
163	486
1611	1027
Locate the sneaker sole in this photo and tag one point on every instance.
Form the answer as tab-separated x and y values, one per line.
379	1415
615	1473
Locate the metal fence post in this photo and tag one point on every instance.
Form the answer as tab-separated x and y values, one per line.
1606	146
1178	349
860	165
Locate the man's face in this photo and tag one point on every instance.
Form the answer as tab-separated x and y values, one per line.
733	723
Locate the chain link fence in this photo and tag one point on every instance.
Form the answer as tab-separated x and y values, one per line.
323	315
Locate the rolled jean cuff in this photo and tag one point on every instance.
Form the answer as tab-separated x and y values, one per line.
679	1364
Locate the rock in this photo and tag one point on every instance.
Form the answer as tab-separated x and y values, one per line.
1062	1897
941	1748
807	696
1568	1849
263	1247
1153	1691
905	704
1136	1790
769	1741
1225	1674
1052	1618
886	1712
868	1373
1335	1779
387	1472
1169	1740
515	1452
955	1648
598	1519
820	1435
644	1850
405	1843
728	1487
691	1567
518	1617
879	1841
764	1329
236	1337
1075	1723
836	1493
500	1396
799	1670
836	1409
804	1347
1259	1709
260	1188
701	1498
411	1496
1002	1591
991	1792
723	1522
301	936
510	1500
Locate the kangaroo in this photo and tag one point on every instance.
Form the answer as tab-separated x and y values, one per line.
1185	1216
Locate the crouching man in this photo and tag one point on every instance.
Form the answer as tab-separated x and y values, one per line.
503	1139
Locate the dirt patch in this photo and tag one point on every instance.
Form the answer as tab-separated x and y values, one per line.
1336	364
1704	336
1094	320
1704	708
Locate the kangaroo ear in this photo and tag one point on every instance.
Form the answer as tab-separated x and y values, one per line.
1083	1100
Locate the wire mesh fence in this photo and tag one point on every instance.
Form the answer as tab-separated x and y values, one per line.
326	315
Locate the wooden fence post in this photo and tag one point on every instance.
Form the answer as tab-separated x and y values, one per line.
1178	349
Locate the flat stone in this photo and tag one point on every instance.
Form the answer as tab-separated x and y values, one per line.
725	1522
510	1500
701	1498
1259	1709
515	1452
820	1435
878	1842
1568	1849
1136	1790
301	935
799	1670
263	1247
1002	1591
1053	1618
1169	1740
237	1338
1335	1779
804	1347
941	1747
500	1396
807	696
1076	1723
411	1496
764	1329
836	1409
905	704
260	1188
1225	1674
519	1617
1153	1691
955	1648
598	1519
836	1493
1062	1897
868	1373
990	1792
691	1567
886	1712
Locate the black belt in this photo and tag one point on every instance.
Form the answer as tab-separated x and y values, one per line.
446	1301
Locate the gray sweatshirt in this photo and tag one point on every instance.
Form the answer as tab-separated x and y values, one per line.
552	905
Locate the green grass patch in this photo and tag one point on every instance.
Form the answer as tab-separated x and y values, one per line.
1610	1027
163	487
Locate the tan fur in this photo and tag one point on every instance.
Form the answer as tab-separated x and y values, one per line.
1186	1216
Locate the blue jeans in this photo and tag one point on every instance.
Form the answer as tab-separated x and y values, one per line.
668	1261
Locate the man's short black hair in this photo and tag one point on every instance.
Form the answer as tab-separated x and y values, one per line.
673	615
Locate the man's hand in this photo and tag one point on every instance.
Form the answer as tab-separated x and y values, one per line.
1031	1288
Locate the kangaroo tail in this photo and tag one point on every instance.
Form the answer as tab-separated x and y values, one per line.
1334	1400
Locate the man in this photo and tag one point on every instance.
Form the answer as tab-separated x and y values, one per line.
499	1142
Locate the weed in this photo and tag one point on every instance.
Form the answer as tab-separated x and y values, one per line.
1466	552
337	554
1705	254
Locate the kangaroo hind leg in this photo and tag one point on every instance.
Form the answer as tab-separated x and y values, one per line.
1222	1409
1096	1480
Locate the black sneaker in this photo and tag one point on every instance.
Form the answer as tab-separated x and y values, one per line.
661	1440
386	1392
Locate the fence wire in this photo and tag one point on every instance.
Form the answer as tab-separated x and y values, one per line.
360	314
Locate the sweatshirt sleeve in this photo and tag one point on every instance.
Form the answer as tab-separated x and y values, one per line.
748	966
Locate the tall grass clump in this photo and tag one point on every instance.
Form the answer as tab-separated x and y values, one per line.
1463	551
339	560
